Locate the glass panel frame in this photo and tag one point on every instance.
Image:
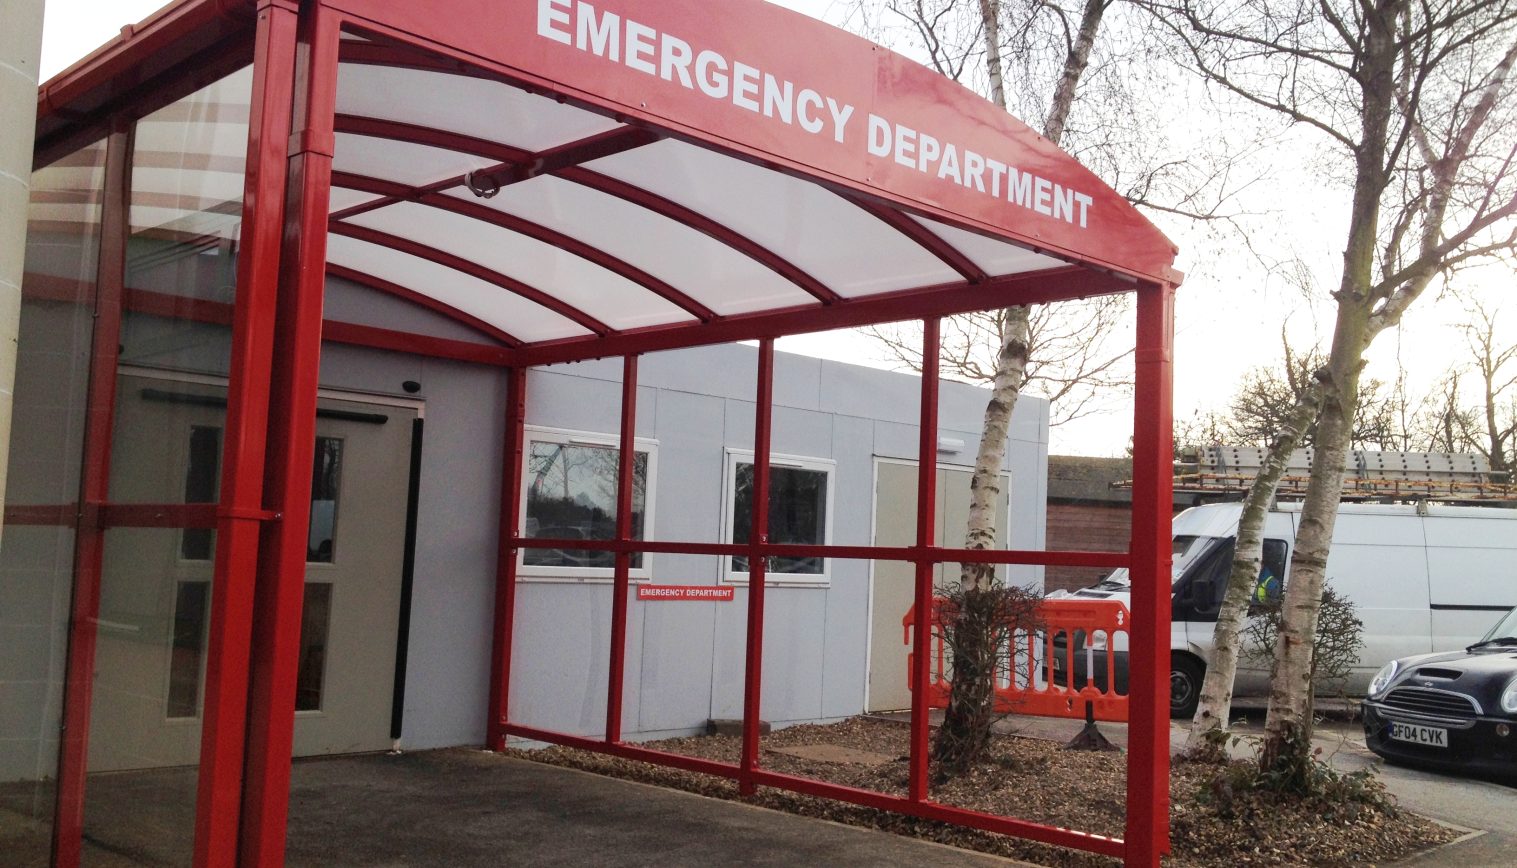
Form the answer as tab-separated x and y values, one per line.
593	566
785	571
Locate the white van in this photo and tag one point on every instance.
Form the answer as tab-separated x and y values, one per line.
1422	578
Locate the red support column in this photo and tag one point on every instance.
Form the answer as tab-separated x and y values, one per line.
626	462
241	517
505	561
1147	835
94	486
758	538
280	591
927	478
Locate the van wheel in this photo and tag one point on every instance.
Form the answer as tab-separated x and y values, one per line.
1185	675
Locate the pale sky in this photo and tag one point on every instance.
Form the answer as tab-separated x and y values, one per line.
1228	317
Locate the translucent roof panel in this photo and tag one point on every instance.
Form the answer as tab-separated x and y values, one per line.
343	198
475	107
718	276
513	314
996	257
608	297
834	240
401	162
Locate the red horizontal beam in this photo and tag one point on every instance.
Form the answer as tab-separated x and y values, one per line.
936	554
409	342
1106	846
472	269
623	750
934	301
1086	841
43	515
164	515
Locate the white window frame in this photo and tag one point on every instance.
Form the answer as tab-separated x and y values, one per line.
587	575
734	457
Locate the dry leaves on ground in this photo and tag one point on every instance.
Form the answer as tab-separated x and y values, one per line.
1038	780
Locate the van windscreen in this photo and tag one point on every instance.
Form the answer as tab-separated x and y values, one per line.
1187	549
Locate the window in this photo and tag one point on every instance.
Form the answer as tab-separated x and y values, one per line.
326	476
800	512
191	611
315	618
569	491
201	480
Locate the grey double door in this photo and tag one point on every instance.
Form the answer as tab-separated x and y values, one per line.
895	517
156	584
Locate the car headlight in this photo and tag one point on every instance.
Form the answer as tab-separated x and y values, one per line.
1383	678
1509	697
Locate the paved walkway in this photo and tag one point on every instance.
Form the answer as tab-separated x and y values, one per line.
465	807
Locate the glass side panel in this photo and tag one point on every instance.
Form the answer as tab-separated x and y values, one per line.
145	721
184	219
42	489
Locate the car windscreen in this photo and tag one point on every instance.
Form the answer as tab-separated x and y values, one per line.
1506	628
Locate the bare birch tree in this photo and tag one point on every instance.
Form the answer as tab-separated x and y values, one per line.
1215	705
941	26
1495	364
1410	96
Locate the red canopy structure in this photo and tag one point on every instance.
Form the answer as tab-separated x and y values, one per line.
571	180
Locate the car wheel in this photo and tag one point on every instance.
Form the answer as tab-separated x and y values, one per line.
1185	675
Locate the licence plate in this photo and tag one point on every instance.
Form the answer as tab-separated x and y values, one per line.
1428	735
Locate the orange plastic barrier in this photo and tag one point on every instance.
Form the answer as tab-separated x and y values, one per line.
1038	681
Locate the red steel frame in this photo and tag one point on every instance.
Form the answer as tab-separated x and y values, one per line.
89	539
260	556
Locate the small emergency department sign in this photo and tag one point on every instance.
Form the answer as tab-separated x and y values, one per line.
684	592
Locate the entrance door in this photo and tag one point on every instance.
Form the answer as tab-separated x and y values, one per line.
895	522
155	591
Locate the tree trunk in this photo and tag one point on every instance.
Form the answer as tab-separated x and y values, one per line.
1074	67
990	21
985	483
1288	724
1215	706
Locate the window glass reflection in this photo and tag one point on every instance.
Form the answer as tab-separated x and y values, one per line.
797	515
326	479
571	494
314	620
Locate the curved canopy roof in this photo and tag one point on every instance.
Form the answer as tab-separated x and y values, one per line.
564	173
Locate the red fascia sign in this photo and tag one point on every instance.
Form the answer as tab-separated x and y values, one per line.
785	88
684	592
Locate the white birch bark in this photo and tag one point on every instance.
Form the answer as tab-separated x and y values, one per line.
1011	359
1215	706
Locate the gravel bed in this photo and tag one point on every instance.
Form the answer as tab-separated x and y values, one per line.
1037	780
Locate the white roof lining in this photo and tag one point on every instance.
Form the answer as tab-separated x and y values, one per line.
871	256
